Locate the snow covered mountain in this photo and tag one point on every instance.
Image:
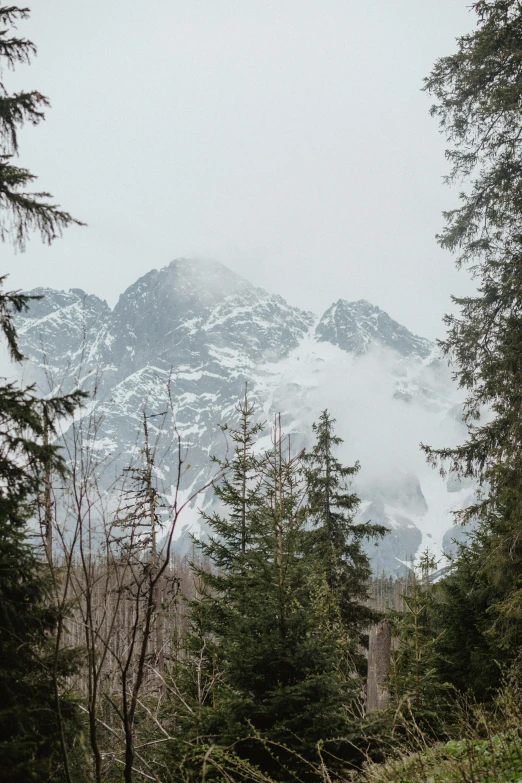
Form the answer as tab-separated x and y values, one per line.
186	338
356	327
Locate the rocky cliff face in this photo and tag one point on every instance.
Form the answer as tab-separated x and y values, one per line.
358	327
183	341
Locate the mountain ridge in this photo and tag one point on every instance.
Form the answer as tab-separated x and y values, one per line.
203	331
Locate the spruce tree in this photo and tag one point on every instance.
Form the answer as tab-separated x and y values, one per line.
21	210
33	714
239	492
478	98
336	539
193	680
219	574
416	686
472	648
286	676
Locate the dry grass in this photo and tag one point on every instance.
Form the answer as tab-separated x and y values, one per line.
489	750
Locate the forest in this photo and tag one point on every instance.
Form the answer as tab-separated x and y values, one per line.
271	653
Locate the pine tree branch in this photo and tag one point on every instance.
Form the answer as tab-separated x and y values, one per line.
22	212
15	110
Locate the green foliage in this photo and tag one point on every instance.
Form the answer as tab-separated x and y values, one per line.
335	538
419	694
268	670
478	94
470	654
30	743
496	759
239	492
31	670
21	210
35	717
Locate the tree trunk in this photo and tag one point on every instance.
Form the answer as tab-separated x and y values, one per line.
379	659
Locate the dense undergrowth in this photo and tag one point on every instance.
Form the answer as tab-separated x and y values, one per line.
497	759
488	749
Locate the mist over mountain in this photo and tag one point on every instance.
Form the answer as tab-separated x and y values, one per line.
186	338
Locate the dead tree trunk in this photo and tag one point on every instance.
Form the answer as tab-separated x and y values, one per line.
379	658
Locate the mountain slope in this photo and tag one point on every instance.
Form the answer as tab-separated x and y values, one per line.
359	326
183	340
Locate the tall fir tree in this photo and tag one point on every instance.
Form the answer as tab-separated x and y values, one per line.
219	574
286	678
21	210
239	492
471	650
33	714
478	94
336	539
416	686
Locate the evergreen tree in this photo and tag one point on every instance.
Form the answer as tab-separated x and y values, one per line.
32	711
335	538
478	94
239	492
193	680
286	676
219	574
470	655
416	686
21	211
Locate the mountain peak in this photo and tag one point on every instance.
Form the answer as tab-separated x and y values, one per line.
53	301
213	278
184	287
355	326
205	331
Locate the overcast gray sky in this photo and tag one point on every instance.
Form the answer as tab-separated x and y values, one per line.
288	139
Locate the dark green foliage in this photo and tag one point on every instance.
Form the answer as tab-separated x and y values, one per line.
30	744
417	688
239	491
30	671
12	301
34	716
273	672
468	653
335	538
478	94
21	210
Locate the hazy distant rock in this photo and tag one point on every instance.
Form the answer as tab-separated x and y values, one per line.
355	326
61	334
395	501
457	534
